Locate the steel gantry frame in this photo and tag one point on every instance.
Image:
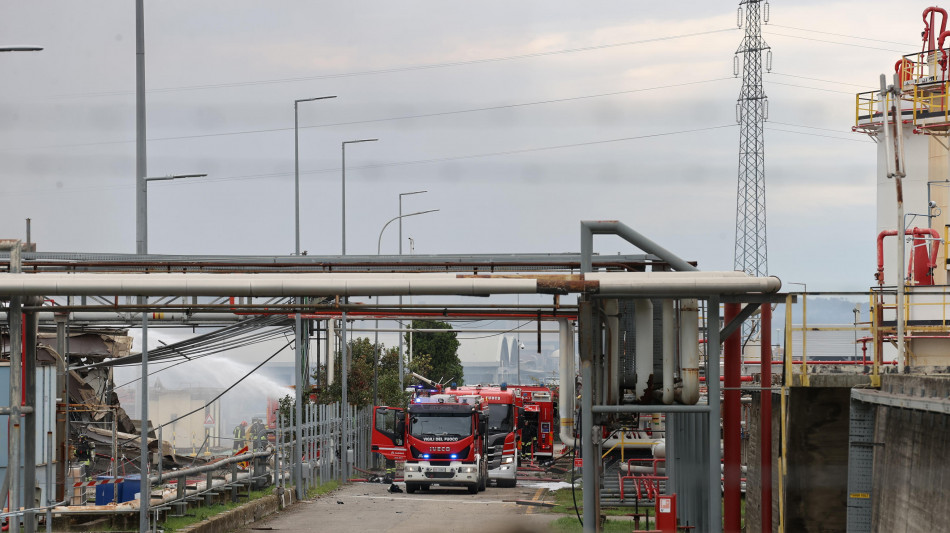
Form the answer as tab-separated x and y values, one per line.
188	279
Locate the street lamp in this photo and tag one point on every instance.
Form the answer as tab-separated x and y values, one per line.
14	493
379	244
343	149
143	214
401	369
297	173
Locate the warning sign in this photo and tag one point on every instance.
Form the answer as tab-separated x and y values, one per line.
209	420
666	505
578	462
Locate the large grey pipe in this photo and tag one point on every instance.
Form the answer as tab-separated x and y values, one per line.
605	284
589	228
643	321
689	350
611	367
567	393
669	350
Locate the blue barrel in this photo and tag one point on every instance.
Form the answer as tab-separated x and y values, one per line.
129	488
104	492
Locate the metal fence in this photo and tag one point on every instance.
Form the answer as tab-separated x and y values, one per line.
335	442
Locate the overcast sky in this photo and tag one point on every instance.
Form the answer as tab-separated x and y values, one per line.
519	118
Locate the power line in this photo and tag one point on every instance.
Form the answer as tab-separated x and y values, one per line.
842	35
488	154
496	334
865	47
773	73
407	68
418	161
809	127
818	135
812	88
403	117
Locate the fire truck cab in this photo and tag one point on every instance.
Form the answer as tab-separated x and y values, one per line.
441	439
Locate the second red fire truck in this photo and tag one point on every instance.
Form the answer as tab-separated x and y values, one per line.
503	429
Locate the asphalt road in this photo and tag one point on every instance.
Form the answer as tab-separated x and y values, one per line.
371	507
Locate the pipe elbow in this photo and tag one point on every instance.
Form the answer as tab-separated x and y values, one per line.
690	391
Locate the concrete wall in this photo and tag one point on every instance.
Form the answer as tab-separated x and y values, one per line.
911	471
817	481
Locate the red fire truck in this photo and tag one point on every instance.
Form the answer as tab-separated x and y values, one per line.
441	438
503	430
537	432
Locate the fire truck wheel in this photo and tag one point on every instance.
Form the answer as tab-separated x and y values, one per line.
483	484
423	487
507	483
411	488
473	489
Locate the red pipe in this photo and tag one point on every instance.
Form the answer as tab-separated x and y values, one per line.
921	268
731	427
928	33
722	378
880	254
798	361
934	247
765	418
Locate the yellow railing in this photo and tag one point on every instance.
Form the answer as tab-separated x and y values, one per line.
865	105
926	316
931	98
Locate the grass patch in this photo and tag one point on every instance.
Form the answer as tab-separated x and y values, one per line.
320	490
174	523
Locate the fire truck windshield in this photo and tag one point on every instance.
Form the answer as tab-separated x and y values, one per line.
456	425
499	418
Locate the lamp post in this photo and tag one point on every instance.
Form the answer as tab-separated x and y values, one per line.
297	173
29	423
343	149
142	231
379	244
401	369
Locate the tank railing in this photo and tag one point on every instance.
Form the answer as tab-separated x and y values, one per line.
930	98
866	108
926	315
793	363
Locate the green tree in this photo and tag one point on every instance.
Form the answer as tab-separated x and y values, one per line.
441	347
359	390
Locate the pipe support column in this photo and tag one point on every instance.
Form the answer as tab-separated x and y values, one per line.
765	420
731	420
589	328
298	409
713	352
